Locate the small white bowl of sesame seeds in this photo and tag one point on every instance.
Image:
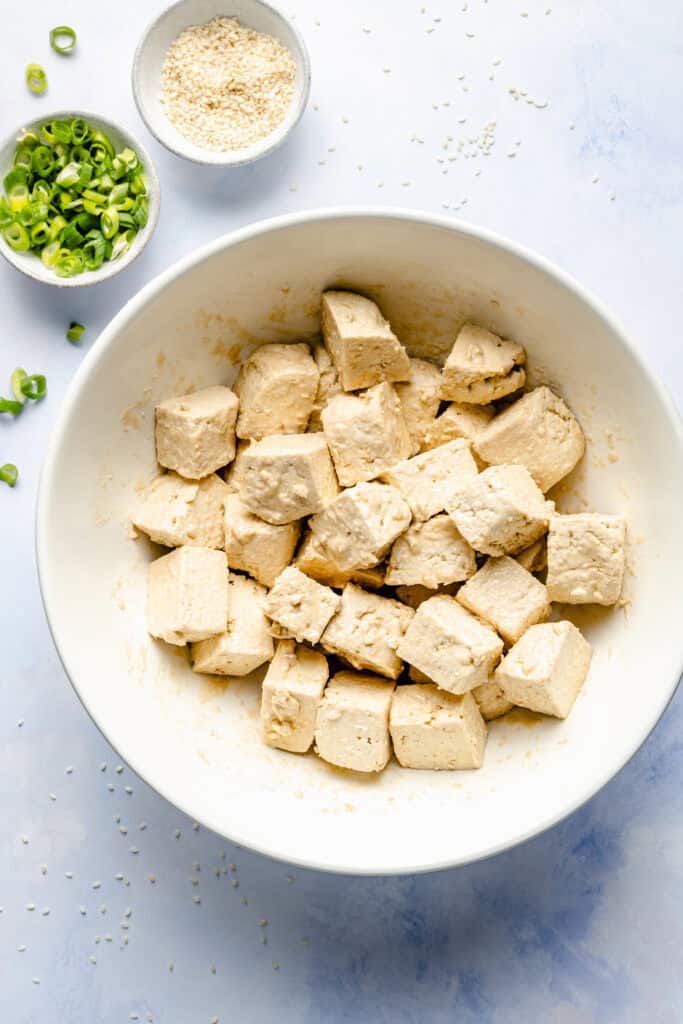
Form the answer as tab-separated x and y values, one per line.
221	82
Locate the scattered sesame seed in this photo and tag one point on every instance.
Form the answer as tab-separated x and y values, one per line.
108	938
110	787
595	179
263	922
92	959
24	840
69	769
20	722
243	901
97	885
118	877
30	906
152	878
276	966
128	790
142	826
612	196
124	925
103	908
195	826
82	910
212	968
119	769
52	796
177	833
45	911
128	912
134	849
290	879
196	899
43	869
103	766
36	981
171	968
123	830
68	874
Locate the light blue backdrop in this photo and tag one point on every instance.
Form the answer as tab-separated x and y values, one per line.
580	926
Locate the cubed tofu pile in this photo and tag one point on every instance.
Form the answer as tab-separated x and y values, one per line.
376	529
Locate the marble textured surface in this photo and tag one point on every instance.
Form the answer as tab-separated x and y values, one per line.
582	924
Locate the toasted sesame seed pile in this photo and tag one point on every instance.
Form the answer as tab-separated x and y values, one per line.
225	86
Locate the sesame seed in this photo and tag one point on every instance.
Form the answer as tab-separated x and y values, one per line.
128	790
21	949
68	874
177	833
30	906
52	796
196	899
36	981
119	769
195	826
276	966
81	910
92	959
96	885
212	968
69	769
110	787
45	911
20	722
43	869
235	883
103	766
24	840
134	849
263	922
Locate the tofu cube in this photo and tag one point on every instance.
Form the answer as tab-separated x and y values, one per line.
363	346
491	700
501	511
430	554
586	558
433	729
545	670
328	385
506	596
451	647
458	420
352	727
300	606
246	642
366	433
291	692
288	476
366	631
537	431
276	387
255	546
357	529
481	367
535	557
315	562
187	595
419	398
234	473
176	512
429	482
195	434
415	594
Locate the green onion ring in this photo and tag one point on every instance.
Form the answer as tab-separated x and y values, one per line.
17	237
9	474
80	131
36	79
16	380
75	332
33	387
63	32
7	405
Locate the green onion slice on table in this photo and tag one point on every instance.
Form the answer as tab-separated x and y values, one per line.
9	474
10	406
63	39
75	332
36	79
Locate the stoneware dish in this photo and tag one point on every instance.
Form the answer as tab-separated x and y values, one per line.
29	263
149	59
196	739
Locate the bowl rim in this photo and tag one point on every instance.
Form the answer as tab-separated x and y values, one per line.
112	268
48	483
219	158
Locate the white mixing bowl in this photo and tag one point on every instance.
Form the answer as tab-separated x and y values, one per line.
196	739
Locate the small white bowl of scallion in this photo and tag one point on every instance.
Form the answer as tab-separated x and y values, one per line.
79	199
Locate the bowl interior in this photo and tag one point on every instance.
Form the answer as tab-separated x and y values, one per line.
28	262
149	60
196	739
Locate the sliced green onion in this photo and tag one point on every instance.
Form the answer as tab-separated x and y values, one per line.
98	198
22	157
122	244
110	222
17	176
61	131
50	253
36	79
29	139
43	161
40	233
18	196
80	131
16	380
70	236
41	192
69	175
75	332
33	387
17	237
69	263
137	185
63	39
94	250
57	225
9	474
6	214
140	214
13	408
